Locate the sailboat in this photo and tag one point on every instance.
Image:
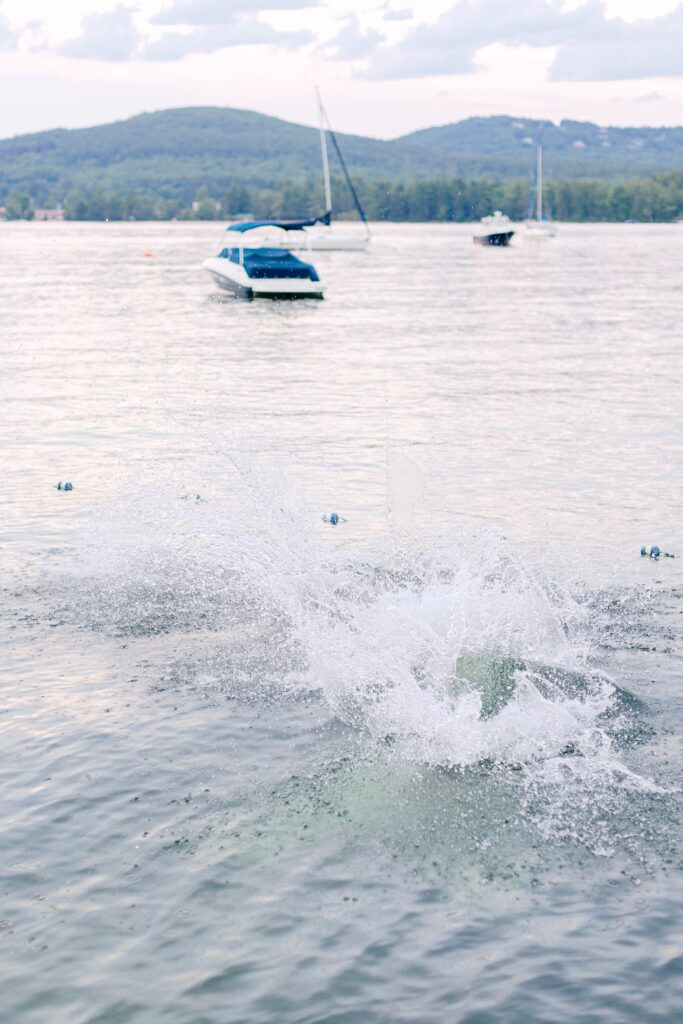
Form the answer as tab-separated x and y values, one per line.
321	236
538	225
325	236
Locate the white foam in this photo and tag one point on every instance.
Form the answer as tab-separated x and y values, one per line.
381	637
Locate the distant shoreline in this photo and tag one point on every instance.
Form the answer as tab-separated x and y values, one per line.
460	200
343	220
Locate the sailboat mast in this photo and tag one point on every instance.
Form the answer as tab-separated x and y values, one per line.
323	150
539	183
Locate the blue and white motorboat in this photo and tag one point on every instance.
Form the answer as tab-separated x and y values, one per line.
258	271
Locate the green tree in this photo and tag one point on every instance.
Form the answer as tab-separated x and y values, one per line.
19	206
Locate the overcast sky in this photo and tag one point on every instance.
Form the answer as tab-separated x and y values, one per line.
385	67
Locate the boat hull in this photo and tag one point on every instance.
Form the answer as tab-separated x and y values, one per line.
313	241
337	243
539	230
495	238
232	278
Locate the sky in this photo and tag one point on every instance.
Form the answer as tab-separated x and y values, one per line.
385	67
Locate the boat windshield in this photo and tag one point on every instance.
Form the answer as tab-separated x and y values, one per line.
260	263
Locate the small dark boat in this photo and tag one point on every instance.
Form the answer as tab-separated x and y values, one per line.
495	230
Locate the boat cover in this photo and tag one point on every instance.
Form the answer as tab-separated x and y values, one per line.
260	263
286	225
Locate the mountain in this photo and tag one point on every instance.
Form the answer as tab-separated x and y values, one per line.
571	149
172	154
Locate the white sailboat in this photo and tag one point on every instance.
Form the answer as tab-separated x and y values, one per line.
322	236
539	226
325	236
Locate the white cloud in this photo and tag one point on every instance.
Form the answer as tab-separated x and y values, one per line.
208	39
352	43
404	14
194	27
110	35
619	50
590	45
9	37
221	12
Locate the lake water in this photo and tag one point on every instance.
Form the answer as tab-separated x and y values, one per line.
423	766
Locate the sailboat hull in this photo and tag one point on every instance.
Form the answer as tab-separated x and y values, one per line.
323	240
540	230
336	243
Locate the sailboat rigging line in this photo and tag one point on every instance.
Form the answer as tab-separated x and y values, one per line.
354	194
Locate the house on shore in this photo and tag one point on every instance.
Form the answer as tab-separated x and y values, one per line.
55	214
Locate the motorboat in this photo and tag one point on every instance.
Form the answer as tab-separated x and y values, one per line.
538	226
496	229
320	235
257	271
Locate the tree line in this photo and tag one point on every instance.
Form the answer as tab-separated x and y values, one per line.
659	198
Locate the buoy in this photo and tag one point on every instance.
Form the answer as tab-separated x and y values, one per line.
68	486
654	552
148	255
333	519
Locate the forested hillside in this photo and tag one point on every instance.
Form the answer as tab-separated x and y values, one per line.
210	162
173	153
571	149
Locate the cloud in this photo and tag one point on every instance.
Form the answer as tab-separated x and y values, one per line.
405	14
590	46
647	48
648	97
351	43
8	36
449	45
208	39
113	36
107	36
221	12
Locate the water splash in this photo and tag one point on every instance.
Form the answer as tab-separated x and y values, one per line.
454	652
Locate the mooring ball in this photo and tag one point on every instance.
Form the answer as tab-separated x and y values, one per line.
334	518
